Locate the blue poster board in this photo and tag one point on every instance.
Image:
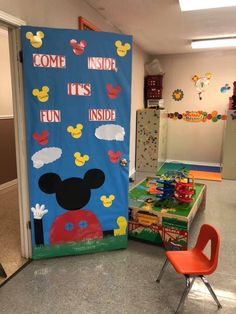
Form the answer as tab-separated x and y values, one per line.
77	106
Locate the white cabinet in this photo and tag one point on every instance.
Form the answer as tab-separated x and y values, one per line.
229	147
151	139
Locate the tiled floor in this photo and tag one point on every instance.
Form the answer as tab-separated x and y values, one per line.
10	250
123	282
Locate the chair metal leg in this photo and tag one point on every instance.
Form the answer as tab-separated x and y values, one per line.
162	270
189	284
205	281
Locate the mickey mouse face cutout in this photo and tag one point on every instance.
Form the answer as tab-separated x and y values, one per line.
75	132
35	40
114	156
122	49
42	138
42	95
78	47
73	193
112	92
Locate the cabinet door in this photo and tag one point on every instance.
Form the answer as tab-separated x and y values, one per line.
77	106
147	140
162	147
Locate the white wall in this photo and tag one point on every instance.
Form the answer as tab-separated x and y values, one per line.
64	14
199	142
6	108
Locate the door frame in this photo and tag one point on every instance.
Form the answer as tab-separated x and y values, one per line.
13	25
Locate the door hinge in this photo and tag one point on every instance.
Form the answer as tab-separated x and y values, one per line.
21	56
29	225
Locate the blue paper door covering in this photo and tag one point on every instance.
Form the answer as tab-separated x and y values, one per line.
77	106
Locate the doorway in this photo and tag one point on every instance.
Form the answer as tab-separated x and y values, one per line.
15	242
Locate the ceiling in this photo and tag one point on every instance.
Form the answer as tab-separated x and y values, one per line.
159	27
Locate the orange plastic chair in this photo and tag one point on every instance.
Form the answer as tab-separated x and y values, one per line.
194	263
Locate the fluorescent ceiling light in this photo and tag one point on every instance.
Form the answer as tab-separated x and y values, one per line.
190	5
214	43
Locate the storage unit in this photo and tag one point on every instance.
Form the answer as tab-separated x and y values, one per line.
151	139
153	87
229	147
151	220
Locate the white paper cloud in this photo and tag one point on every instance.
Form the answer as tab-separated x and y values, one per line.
110	132
45	156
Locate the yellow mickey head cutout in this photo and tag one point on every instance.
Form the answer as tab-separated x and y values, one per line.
122	224
41	95
80	160
122	49
107	201
75	132
35	40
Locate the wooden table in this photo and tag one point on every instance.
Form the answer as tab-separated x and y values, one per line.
164	222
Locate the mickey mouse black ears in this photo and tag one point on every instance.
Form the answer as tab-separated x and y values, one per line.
94	178
49	182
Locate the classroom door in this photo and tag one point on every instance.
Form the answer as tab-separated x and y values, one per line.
77	106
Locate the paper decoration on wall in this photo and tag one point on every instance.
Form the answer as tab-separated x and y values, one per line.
107	201
80	160
201	83
122	49
75	226
122	223
234	96
75	132
42	138
46	156
78	47
50	116
109	132
102	64
35	40
197	116
73	194
102	114
114	156
55	65
49	61
233	115
112	92
225	88
41	95
178	95
38	212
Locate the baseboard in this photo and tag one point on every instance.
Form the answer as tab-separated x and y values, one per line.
131	172
200	163
8	184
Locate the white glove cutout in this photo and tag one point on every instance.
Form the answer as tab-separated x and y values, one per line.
39	211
